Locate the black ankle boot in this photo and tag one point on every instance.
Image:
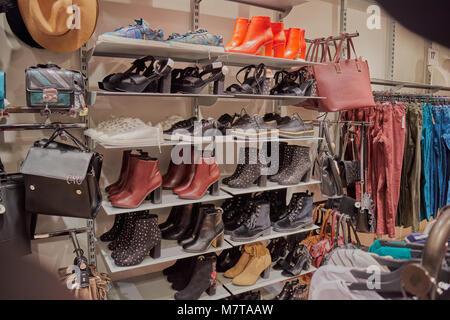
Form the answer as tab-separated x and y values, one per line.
258	224
299	170
232	208
179	265
228	258
181	225
277	248
277	200
299	213
124	238
241	215
146	240
252	172
171	219
210	232
115	230
299	261
243	155
183	265
203	279
197	218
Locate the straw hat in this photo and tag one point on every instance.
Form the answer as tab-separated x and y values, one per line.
49	23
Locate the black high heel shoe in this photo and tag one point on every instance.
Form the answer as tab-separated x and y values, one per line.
297	83
110	82
156	78
250	85
190	81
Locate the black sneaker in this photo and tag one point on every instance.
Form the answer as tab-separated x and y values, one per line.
184	124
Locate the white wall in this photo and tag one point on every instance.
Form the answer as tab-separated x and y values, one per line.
319	18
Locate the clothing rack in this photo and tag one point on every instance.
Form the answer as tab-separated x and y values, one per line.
402	84
41	126
411	97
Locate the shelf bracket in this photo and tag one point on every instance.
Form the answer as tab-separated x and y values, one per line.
195	14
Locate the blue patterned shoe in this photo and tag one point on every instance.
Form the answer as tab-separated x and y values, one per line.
140	30
200	36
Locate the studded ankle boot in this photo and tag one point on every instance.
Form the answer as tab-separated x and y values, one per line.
146	240
130	225
299	170
125	234
285	160
252	172
115	230
299	213
243	155
203	279
258	224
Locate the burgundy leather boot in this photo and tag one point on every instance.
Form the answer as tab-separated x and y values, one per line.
132	161
207	175
123	174
175	175
188	177
145	181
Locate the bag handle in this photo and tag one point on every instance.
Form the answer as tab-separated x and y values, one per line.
59	132
352	227
325	223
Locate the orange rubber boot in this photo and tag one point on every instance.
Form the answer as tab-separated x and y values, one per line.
292	44
259	38
239	32
302	53
279	39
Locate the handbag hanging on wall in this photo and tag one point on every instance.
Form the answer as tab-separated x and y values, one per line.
344	82
60	181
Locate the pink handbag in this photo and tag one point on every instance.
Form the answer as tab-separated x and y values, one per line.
344	83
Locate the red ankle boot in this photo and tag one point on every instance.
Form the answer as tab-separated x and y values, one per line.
175	175
132	160
279	39
239	32
292	44
145	181
114	187
207	175
302	54
259	38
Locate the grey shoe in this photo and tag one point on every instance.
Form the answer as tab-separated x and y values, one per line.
258	223
295	127
251	172
252	128
299	170
299	213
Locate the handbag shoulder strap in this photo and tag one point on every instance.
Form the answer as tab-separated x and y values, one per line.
61	131
327	215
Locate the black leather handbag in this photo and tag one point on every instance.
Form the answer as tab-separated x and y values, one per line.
331	185
15	223
349	170
62	181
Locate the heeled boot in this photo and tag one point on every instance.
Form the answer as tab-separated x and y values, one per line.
279	39
207	175
123	174
299	170
241	215
114	232
196	221
300	261
285	158
252	172
146	241
302	53
258	39
189	175
237	269
171	219
181	271
232	207
126	233
277	248
210	232
179	265
175	175
203	279
228	258
181	225
258	224
144	183
277	200
292	44
259	265
242	160
239	32
117	193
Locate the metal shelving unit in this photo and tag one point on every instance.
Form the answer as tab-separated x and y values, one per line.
270	186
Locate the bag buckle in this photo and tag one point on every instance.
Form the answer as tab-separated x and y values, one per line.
358	66
338	67
50	95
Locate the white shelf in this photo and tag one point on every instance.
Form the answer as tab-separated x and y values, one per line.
170	251
270	186
169	199
225	139
113	46
242	59
153	286
275	277
273	234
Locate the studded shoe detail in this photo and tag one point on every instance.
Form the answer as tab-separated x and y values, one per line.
113	233
251	172
299	169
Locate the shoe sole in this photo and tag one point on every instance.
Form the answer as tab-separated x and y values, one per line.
209	245
300	227
252	135
192	139
120	207
261	234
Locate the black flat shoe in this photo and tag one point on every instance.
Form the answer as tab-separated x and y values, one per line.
251	84
191	81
